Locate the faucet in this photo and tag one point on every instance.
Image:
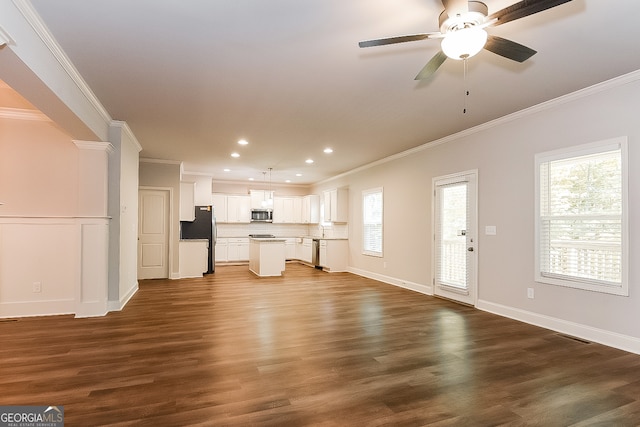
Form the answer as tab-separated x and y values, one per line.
322	227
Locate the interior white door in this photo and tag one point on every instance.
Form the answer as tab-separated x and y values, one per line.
153	234
455	237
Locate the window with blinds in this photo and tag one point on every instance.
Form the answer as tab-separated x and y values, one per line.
372	222
581	225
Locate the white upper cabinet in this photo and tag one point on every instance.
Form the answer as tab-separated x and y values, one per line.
336	205
310	209
238	209
219	202
284	210
187	201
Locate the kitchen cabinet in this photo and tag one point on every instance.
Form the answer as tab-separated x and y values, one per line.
290	248
304	250
336	205
297	210
267	257
238	249
261	199
310	209
187	201
222	250
239	209
219	202
193	258
334	254
284	210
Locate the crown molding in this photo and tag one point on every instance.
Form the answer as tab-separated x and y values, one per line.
128	132
23	114
5	38
159	161
94	145
31	16
579	94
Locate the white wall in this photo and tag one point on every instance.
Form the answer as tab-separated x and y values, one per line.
53	225
503	153
123	210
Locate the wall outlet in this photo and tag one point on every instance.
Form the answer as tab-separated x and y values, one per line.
37	287
530	293
384	264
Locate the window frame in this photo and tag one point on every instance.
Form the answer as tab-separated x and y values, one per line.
603	146
365	194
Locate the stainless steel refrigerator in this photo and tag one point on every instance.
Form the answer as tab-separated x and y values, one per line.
202	227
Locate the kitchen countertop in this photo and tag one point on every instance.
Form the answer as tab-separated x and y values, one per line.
323	238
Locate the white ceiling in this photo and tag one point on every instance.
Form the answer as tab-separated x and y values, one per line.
192	77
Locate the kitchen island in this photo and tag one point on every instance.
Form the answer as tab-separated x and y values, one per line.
266	255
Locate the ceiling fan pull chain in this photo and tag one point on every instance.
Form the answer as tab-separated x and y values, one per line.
466	90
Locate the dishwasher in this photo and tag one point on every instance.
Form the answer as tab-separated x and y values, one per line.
315	253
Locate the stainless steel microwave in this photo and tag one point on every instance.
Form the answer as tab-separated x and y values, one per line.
261	215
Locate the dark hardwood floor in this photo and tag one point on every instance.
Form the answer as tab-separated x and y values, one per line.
311	348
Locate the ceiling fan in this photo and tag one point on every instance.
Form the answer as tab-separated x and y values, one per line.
462	30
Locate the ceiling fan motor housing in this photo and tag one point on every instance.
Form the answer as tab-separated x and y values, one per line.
476	15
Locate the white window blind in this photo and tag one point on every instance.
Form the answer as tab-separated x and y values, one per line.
372	222
581	218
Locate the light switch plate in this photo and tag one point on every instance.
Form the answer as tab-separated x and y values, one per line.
490	230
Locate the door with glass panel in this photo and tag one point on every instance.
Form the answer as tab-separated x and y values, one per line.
455	237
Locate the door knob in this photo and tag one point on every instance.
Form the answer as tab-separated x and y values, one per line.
470	249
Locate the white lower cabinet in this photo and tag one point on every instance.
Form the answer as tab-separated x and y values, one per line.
238	249
334	254
193	258
222	250
290	248
304	248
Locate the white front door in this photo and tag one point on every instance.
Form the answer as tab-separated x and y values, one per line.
153	234
455	237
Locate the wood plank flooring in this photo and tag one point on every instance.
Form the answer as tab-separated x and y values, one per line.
310	348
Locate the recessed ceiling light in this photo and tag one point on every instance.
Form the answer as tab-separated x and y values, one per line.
235	155
288	181
298	174
251	179
328	150
243	142
227	170
309	161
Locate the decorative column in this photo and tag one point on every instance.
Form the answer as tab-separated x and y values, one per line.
93	223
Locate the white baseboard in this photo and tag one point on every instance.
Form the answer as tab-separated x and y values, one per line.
119	305
601	336
417	287
91	309
37	308
611	339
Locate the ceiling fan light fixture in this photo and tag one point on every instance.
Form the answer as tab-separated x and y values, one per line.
464	43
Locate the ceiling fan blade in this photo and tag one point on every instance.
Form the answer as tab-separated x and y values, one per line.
432	66
508	49
455	7
522	9
397	39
